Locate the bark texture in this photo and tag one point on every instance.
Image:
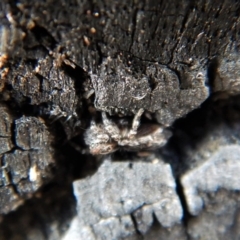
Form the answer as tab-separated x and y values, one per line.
64	62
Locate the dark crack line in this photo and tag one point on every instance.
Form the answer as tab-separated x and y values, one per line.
183	201
138	233
100	54
182	31
134	22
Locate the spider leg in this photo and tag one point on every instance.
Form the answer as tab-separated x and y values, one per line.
136	123
105	119
68	118
88	94
56	118
77	124
110	127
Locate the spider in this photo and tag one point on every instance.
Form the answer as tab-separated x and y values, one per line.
109	137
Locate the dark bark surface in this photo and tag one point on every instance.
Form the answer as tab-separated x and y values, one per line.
64	62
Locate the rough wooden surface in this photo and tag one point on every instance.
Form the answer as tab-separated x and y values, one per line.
63	62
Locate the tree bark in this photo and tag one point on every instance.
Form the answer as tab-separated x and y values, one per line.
62	63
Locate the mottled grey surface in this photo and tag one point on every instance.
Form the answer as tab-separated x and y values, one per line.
227	75
25	168
56	87
5	130
78	231
156	89
163	56
120	189
221	170
31	133
220	218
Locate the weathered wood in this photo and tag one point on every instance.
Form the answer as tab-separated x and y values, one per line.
61	62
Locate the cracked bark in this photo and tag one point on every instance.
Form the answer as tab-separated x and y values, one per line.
64	61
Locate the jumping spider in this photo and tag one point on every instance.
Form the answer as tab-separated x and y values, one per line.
109	137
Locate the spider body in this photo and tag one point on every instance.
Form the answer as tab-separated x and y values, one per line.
108	137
